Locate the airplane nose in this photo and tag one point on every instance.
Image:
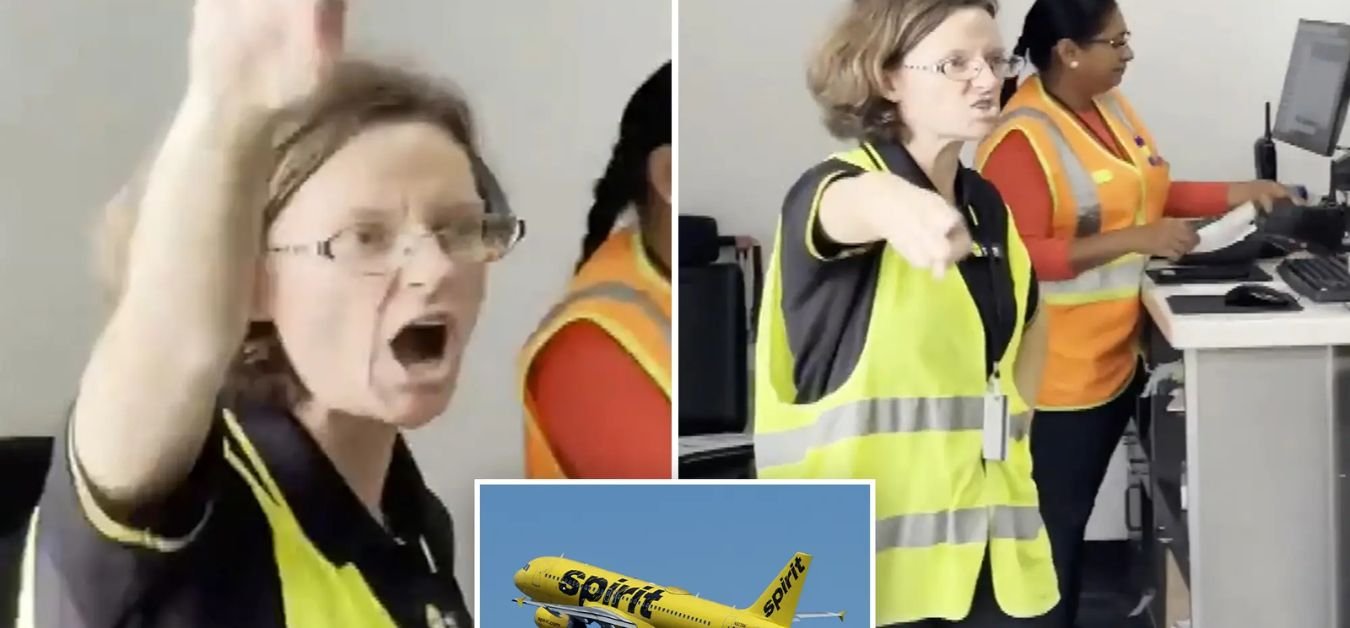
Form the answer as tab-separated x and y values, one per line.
521	580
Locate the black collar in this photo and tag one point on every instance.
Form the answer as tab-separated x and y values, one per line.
328	510
897	159
977	200
408	566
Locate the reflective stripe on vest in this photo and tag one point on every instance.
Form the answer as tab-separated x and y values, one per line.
1117	279
613	291
1080	181
877	416
1109	101
968	525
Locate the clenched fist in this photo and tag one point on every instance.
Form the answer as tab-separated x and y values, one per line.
263	55
918	224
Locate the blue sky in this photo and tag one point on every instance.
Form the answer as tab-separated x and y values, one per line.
724	542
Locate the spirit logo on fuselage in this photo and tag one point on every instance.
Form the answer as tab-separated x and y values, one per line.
795	573
598	589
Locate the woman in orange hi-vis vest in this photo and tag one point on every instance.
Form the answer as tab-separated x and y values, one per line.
596	373
1093	199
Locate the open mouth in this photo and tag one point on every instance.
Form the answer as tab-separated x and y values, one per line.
422	341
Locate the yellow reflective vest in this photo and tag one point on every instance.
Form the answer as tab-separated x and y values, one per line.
910	417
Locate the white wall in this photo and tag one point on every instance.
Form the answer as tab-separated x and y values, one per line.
748	126
88	84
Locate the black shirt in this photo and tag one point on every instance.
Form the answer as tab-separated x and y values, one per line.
208	554
828	293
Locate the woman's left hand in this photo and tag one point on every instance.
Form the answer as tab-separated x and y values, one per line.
1263	194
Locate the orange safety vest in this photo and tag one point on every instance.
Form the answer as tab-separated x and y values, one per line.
619	290
1094	317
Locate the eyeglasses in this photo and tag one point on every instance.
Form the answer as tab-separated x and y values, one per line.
1118	42
963	69
378	249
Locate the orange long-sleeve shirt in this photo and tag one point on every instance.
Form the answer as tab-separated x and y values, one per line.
602	414
1013	168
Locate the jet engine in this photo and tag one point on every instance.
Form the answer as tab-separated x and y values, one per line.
544	618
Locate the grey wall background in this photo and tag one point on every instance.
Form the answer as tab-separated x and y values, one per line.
87	85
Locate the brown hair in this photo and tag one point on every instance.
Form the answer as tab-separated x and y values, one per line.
358	95
847	75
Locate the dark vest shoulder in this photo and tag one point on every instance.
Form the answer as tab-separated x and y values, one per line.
988	203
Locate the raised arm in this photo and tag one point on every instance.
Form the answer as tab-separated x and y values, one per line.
147	394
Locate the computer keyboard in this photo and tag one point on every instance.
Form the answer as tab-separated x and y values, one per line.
1323	279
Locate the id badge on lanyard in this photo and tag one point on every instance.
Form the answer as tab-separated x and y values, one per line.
996	419
996	416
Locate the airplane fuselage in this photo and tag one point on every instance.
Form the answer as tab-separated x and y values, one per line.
565	581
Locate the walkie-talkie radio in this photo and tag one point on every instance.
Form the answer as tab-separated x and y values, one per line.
1266	163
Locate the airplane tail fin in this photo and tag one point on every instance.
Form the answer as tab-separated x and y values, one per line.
778	603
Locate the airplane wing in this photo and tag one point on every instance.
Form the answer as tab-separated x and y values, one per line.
801	616
607	619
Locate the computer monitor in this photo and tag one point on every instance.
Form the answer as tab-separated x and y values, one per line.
1316	88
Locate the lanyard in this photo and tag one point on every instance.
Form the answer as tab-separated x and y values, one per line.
995	431
992	254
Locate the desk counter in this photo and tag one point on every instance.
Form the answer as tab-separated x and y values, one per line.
1267	457
1318	325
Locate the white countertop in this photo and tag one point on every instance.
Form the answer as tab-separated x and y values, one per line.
1318	324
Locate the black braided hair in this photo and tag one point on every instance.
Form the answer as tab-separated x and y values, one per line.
645	127
1050	21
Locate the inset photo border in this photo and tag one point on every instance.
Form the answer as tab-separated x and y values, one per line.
650	552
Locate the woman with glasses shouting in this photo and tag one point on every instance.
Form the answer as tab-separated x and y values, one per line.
292	283
1093	198
899	334
596	374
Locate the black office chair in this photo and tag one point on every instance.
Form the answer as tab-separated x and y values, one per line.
23	467
716	327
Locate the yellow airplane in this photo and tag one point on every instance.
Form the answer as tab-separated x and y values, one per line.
570	594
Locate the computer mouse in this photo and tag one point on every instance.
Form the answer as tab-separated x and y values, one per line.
1256	296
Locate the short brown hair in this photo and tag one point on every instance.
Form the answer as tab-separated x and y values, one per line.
360	94
847	75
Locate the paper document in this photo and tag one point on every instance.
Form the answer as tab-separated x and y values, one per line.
1228	230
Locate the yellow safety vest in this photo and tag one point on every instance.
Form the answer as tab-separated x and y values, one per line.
910	417
315	590
619	290
1094	317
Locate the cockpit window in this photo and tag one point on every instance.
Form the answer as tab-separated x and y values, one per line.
527	567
